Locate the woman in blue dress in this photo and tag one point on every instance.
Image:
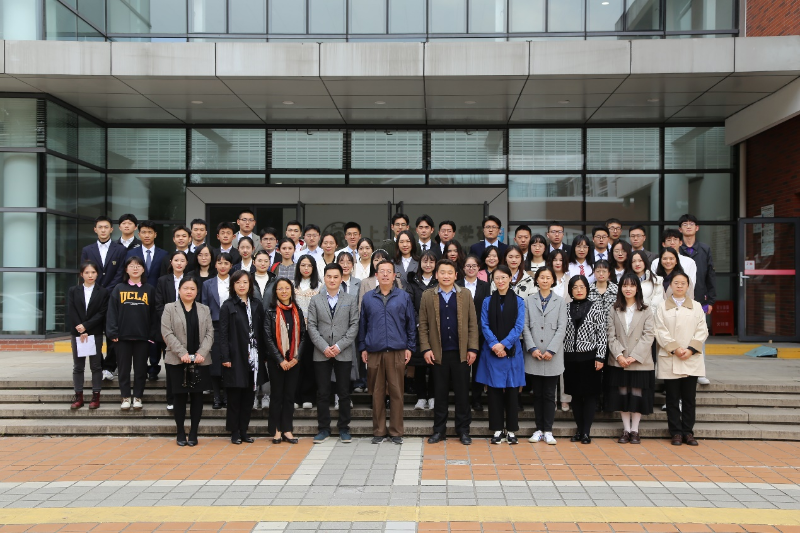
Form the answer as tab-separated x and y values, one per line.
501	366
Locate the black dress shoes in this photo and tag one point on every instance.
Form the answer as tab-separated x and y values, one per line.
192	440
293	440
217	403
586	439
576	437
477	407
248	439
236	439
181	441
436	437
465	439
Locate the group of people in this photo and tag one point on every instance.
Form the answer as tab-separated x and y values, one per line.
286	321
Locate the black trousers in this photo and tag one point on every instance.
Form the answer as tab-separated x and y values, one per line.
306	390
423	382
240	407
195	400
477	388
544	400
341	370
132	353
681	421
110	360
503	409
583	408
452	372
95	365
154	353
283	387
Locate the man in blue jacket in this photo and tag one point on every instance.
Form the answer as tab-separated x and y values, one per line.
387	334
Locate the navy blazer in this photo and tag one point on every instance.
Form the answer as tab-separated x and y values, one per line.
210	297
479	247
135	243
152	275
111	272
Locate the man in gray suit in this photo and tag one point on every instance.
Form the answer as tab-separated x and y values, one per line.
332	329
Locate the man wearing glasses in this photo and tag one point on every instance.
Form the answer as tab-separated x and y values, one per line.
555	234
400	223
247	223
352	234
491	234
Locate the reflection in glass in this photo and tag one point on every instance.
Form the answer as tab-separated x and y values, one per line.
20	311
62	130
386	149
19	126
147	148
306	179
706	196
94	11
87	33
18	228
565	15
229	149
248	16
622	148
227	179
487	16
61	237
604	15
407	16
147	16
448	16
643	15
326	16
91	142
545	149
61	24
527	15
696	147
307	149
686	15
467	149
287	16
208	16
62	185
57	285
91	192
623	196
545	197
467	179
367	16
19	180
387	179
150	196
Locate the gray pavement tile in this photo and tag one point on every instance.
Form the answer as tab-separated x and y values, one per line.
746	498
198	502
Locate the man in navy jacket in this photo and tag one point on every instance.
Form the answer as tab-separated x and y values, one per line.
491	233
106	253
387	334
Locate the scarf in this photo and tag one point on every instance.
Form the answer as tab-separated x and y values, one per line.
578	309
502	315
286	347
252	354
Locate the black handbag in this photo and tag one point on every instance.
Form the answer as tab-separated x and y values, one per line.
191	376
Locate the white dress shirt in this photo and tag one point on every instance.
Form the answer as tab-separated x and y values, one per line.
471	287
360	271
103	247
223	289
688	265
488	244
588	271
152	251
428	245
598	254
87	294
177	283
126	242
406	261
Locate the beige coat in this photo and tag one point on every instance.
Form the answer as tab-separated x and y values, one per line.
173	329
680	327
636	343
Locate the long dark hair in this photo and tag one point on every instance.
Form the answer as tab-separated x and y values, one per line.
581	239
84	266
626	265
132	259
427	253
564	260
384	255
485	254
313	278
360	242
273	303
629	278
461	259
212	265
398	255
172	256
648	274
660	268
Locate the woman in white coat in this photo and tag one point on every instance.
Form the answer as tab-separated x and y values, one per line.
680	332
652	288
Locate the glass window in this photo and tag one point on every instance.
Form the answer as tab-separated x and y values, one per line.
448	16
487	16
91	192
565	15
545	149
150	196
604	15
248	16
229	149
62	130
696	147
307	149
93	11
467	179
20	20
19	180
326	16
623	196
91	142
387	179
56	287
467	149
61	238
545	197
20	120
208	16
227	179
147	16
527	15
61	24
643	15
367	16
706	196
687	15
16	228
407	16
20	303
146	148
87	33
62	185
386	149
287	16
306	179
622	148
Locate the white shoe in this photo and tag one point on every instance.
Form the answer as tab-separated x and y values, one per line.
256	404
307	405
702	380
170	407
536	437
549	439
430	403
137	403
565	406
108	376
126	404
296	406
664	407
420	405
265	402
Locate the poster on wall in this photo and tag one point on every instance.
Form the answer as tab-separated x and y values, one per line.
768	232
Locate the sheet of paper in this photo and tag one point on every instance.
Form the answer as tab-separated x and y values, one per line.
85	349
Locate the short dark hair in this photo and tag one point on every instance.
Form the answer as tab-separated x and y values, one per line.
132	259
445	262
327	234
245	210
199	221
176	229
573	280
294	223
260	252
447	223
187	279
345	255
352	225
147	224
226	256
546	268
502	268
236	276
311	227
554	223
687	218
128	216
523	227
225	225
491	218
487	251
268	231
424	218
334	266
681	273
598	229
671	232
638	226
613	221
102	218
274	301
398	216
384	262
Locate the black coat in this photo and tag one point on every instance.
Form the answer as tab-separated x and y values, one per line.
482	291
237	258
415	288
93	318
269	334
234	341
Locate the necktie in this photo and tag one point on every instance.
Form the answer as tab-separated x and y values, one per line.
147	261
601	256
582	272
344	287
424	247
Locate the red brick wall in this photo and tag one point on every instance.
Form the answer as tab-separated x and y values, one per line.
26	345
773	17
773	170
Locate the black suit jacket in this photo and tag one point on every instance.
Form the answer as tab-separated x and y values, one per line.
111	272
135	243
565	247
191	263
93	318
479	247
433	246
237	258
152	275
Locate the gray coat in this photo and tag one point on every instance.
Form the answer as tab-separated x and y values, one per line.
325	330
173	329
545	330
353	286
636	343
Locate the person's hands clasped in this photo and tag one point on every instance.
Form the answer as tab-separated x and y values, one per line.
537	354
288	365
622	361
331	351
547	356
499	350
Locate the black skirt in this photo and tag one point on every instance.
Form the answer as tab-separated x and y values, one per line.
617	378
581	378
175	375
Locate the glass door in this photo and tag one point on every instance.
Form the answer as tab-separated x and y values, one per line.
769	252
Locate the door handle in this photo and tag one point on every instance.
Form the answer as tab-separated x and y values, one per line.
742	277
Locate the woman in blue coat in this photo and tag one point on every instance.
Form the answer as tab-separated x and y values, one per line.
501	366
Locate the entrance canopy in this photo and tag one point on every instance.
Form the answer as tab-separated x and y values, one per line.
673	81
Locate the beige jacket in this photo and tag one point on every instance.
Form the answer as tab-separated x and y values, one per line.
680	327
636	343
173	329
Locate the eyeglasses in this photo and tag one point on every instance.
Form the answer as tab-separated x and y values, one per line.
556	232
351	234
491	227
247	219
471	266
688	225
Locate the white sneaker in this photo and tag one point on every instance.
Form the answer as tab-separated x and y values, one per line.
265	402
126	404
108	376
296	406
307	405
420	405
256	404
664	407
549	439
137	403
430	403
702	380
170	407
536	437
